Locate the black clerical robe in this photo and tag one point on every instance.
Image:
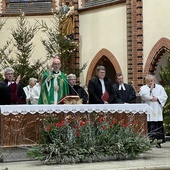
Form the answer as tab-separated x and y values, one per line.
78	90
4	94
124	96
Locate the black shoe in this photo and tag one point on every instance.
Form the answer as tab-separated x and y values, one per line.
158	145
151	141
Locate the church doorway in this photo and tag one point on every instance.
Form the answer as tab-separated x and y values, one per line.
106	58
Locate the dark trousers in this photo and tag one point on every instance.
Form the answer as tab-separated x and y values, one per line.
156	131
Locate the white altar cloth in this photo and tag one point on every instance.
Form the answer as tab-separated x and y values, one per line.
66	108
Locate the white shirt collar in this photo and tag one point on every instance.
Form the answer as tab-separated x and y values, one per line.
10	82
121	86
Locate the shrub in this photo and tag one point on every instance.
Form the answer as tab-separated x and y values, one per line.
74	139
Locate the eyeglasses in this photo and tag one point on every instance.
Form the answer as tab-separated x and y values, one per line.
8	74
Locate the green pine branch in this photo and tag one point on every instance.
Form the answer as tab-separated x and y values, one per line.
60	45
21	43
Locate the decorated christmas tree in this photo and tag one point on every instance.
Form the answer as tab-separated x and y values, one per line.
21	43
165	79
55	43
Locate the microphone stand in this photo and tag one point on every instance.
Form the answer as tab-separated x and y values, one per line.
70	86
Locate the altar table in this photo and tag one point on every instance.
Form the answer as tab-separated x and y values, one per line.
20	125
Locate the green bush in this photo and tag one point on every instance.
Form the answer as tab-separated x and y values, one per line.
73	139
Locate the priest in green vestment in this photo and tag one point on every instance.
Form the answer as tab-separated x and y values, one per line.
54	85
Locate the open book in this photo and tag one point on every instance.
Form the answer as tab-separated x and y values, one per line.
105	96
70	99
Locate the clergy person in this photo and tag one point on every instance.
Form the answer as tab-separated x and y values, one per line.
98	85
75	89
155	96
17	94
32	91
4	94
54	85
124	93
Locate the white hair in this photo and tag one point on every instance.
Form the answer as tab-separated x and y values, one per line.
32	80
8	69
71	76
149	76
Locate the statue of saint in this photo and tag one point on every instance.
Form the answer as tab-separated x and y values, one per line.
67	19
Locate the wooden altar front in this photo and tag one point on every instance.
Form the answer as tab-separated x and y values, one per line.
20	125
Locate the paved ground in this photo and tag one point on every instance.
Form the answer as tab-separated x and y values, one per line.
156	159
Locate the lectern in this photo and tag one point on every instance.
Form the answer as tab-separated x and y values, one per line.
70	99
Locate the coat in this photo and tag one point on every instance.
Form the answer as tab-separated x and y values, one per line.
95	90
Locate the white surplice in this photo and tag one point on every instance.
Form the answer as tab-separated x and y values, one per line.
32	94
146	94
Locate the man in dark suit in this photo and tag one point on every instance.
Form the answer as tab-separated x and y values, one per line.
76	89
125	93
98	85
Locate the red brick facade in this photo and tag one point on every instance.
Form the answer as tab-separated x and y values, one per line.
155	54
3	6
135	42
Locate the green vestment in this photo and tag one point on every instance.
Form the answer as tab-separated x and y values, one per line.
47	87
